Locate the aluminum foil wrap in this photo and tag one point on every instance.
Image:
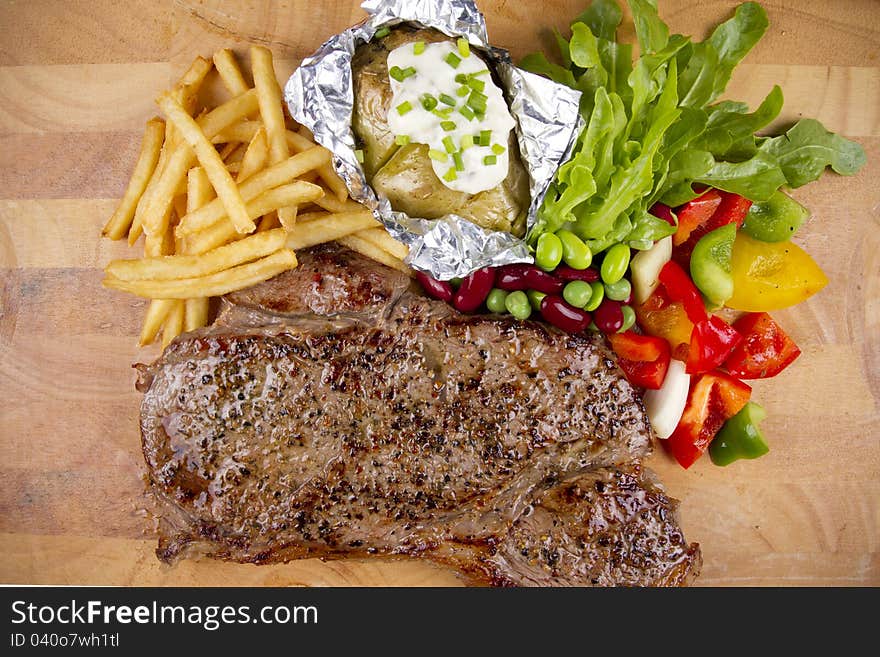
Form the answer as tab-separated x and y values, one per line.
320	96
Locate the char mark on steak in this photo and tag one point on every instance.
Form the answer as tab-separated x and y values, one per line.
333	412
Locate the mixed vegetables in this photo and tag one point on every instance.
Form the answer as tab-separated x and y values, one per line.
670	209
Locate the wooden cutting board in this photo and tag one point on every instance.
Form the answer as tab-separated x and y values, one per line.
77	79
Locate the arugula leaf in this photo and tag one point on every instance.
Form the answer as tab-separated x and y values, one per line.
734	38
584	47
756	178
651	32
603	17
807	148
730	123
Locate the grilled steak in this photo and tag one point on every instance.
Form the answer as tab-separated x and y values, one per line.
334	412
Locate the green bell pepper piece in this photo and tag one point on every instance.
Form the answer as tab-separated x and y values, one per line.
776	219
740	437
710	264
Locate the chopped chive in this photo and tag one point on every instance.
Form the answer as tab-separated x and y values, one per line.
477	102
448	144
489	160
450	175
466	112
464	48
404	107
443	112
418	47
452	59
498	149
397	73
476	85
485	137
461	78
440	156
382	32
462	91
459	163
483	72
409	71
359	155
401	140
429	102
467	141
446	99
447	125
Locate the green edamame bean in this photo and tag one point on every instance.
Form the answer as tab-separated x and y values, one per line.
629	318
577	293
548	252
495	301
618	291
597	296
535	298
455	282
575	253
517	304
615	263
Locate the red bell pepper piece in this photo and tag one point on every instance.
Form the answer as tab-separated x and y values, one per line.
731	209
680	287
695	213
712	341
765	350
644	359
713	399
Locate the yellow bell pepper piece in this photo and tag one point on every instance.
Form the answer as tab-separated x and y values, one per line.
771	275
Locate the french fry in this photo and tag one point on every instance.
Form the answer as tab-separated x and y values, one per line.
254	157
198	189
239	252
269	201
180	160
379	237
173	322
269	97
214	285
221	180
195	313
275	175
156	314
230	73
151	146
362	246
327	228
198	193
333	204
186	91
298	142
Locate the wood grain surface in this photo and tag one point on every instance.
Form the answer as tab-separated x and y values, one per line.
77	82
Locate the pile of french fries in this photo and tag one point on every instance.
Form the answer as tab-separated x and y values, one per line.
224	196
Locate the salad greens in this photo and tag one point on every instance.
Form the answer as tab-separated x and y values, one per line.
653	129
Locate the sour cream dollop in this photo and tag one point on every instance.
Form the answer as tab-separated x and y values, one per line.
444	97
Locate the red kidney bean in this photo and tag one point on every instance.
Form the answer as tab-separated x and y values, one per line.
433	288
608	316
566	273
555	310
663	212
474	289
528	277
